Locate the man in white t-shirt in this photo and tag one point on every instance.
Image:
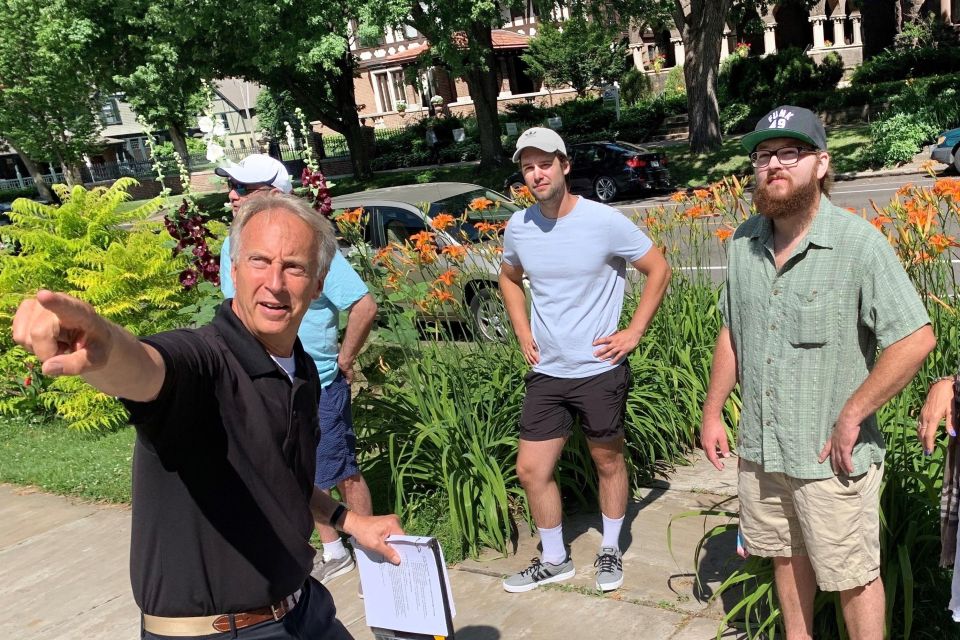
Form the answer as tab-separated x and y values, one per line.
574	253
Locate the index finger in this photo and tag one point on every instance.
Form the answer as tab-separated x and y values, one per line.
71	311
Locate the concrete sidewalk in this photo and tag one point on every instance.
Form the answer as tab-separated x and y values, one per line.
64	568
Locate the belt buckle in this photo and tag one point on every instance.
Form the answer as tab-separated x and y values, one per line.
277	617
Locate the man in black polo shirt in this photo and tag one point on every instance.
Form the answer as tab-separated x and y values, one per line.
227	428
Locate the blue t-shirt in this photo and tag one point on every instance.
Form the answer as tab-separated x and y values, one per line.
318	332
577	270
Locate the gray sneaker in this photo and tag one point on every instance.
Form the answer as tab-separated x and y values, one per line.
609	564
326	570
539	573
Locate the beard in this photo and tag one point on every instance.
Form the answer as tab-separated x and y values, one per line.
797	201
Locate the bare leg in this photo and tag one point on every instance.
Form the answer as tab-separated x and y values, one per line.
796	588
536	461
612	473
863	611
356	494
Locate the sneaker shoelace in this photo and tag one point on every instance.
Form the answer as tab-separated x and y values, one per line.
535	565
607	562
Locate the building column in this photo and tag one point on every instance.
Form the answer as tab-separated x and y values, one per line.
505	78
637	57
769	39
857	35
678	51
838	35
725	45
818	30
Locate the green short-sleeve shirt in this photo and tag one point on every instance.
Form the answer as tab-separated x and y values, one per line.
806	338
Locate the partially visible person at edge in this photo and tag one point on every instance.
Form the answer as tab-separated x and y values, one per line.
343	290
227	429
812	291
574	253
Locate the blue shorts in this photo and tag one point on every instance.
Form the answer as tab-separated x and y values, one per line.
337	451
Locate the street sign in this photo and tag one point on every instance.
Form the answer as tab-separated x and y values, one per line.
611	98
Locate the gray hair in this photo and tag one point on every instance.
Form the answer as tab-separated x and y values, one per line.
277	201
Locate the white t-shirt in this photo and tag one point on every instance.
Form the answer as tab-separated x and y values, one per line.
576	265
289	365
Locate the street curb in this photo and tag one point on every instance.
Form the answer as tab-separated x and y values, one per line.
881	173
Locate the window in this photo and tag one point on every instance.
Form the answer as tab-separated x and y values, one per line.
222	117
110	112
410	32
399	224
243	143
388	86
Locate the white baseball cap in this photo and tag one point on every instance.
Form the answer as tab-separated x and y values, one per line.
539	138
258	168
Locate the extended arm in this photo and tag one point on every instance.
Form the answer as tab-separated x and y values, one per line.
723	378
619	345
515	302
895	367
359	322
370	532
69	338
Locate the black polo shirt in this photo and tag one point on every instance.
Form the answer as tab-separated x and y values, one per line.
222	474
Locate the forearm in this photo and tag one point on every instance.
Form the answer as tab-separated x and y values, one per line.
515	302
133	370
653	291
894	369
359	322
723	375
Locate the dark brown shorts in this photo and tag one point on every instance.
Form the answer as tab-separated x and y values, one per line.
552	404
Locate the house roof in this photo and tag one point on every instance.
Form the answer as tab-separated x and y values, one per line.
503	40
238	93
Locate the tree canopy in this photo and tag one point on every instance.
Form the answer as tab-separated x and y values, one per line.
581	53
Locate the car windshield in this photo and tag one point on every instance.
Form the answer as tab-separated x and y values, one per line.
632	147
499	210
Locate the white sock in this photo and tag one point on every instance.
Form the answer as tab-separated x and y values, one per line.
611	532
552	542
334	550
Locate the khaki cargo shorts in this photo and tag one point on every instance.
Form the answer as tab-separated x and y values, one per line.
834	521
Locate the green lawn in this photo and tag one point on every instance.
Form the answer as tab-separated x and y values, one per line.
846	144
48	455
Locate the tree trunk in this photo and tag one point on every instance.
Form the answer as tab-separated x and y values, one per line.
481	78
702	31
43	189
879	25
179	140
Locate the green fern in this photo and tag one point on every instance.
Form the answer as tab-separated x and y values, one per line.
118	261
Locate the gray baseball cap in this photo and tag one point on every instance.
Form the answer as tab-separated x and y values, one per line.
788	122
539	138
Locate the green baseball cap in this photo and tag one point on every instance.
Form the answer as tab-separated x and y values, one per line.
788	122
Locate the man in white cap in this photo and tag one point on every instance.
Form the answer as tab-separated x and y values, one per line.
574	253
343	290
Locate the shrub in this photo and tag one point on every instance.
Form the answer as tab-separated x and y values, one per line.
113	259
774	79
915	62
896	139
9	195
733	116
635	87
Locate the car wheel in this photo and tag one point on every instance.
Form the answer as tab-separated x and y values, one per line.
516	185
489	315
956	158
605	188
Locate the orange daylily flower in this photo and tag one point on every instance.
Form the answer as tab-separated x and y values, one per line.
905	189
447	277
486	227
679	196
946	187
701	193
480	204
422	240
442	221
441	295
455	251
879	221
921	257
351	216
941	242
723	233
919	215
694	212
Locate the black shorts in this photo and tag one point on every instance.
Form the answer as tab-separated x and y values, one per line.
551	404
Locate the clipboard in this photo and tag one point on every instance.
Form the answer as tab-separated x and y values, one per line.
412	601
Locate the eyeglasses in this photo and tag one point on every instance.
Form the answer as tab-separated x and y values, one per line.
787	156
246	189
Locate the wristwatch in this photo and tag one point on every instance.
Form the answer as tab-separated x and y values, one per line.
338	513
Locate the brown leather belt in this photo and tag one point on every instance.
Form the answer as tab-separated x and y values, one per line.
205	625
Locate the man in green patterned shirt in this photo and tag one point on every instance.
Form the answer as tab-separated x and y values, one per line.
812	291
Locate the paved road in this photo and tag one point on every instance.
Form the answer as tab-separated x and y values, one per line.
848	193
